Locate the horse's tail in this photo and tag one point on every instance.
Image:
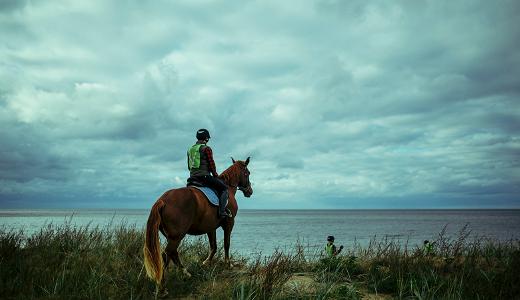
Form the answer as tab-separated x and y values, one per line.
152	247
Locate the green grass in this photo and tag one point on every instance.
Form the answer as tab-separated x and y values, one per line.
67	262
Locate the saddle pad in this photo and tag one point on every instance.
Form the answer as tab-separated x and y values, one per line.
209	193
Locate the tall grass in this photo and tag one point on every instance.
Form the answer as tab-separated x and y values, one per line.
459	268
73	262
68	262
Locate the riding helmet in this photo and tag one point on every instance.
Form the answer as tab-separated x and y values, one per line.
330	238
203	134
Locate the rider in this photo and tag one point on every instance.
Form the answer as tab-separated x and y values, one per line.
201	164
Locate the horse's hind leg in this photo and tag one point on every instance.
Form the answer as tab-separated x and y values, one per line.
173	254
161	290
212	238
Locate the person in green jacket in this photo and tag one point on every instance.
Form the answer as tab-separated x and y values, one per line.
330	248
427	248
202	169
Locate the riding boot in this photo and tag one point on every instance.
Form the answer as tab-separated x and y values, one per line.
222	201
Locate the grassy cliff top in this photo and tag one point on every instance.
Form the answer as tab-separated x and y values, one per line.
66	262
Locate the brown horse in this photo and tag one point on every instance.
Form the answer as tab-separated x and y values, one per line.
187	211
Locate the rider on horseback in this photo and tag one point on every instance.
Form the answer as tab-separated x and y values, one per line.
201	165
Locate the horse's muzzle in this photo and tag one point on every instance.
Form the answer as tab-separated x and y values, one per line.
247	192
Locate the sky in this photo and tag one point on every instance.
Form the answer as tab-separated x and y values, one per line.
339	104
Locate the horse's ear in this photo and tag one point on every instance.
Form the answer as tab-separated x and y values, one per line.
232	159
247	160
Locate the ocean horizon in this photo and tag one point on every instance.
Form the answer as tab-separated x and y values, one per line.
266	230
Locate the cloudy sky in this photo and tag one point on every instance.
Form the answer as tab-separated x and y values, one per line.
340	104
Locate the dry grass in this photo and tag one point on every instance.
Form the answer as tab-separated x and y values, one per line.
66	262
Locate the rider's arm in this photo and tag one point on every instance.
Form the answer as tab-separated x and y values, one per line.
212	167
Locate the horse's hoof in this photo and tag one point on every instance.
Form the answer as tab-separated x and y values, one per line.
186	273
227	263
163	293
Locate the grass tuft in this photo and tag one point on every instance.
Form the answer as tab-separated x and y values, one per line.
69	262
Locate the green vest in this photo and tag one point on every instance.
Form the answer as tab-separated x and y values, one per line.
329	249
194	157
198	164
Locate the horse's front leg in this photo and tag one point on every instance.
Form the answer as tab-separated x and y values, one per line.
212	238
227	241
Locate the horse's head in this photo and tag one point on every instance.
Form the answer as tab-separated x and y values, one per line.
243	177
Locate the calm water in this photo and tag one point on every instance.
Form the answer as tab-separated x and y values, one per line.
265	230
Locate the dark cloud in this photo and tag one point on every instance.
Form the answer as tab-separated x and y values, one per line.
10	6
289	161
27	155
475	188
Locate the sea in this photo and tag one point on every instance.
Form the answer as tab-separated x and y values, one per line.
262	232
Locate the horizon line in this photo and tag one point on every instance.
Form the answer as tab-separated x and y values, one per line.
394	208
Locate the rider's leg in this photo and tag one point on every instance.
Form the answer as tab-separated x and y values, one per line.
222	190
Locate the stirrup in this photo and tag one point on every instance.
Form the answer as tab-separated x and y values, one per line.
229	213
226	214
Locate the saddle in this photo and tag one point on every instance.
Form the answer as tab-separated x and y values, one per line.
194	182
210	193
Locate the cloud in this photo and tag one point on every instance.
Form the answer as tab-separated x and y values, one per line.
338	103
10	6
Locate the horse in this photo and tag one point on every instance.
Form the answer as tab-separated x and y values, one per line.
187	211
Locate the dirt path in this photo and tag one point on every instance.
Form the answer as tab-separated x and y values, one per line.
305	282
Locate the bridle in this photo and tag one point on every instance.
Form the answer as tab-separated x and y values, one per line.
243	188
240	188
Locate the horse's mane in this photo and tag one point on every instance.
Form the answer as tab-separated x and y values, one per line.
231	173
